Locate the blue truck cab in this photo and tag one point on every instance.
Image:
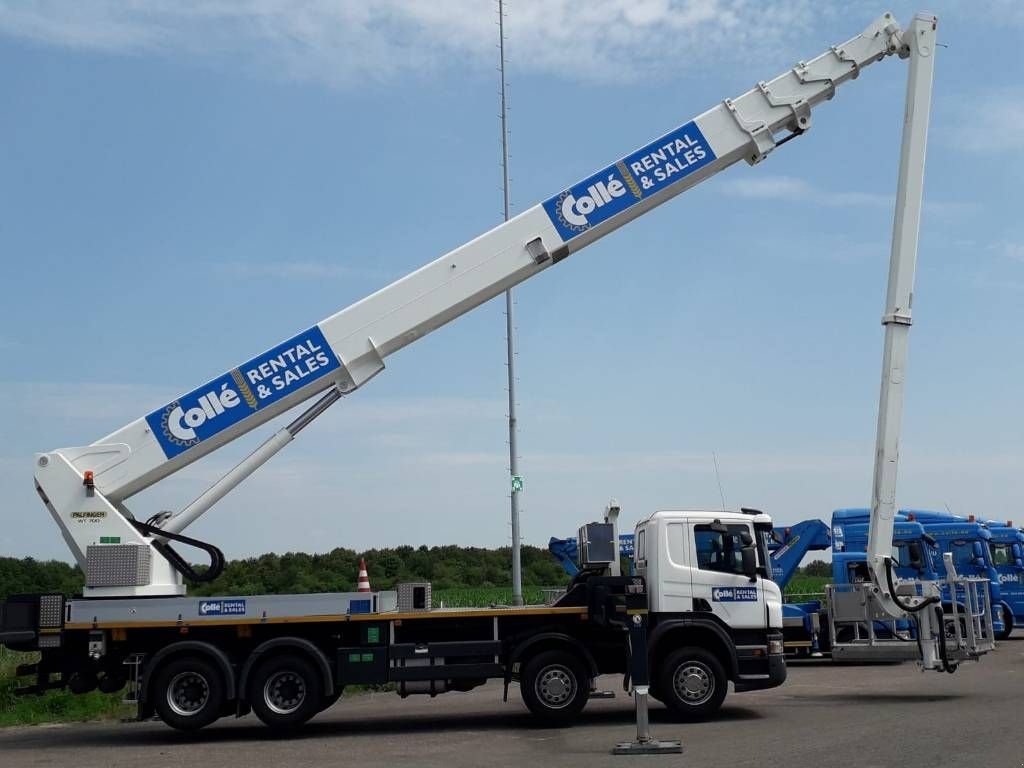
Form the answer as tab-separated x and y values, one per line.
1004	560
969	542
805	624
913	555
1007	547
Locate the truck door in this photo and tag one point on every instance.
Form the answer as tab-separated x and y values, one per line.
1009	567
718	577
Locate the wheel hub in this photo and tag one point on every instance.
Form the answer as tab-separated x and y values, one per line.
694	683
188	693
284	692
555	686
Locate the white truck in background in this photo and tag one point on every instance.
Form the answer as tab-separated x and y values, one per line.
713	612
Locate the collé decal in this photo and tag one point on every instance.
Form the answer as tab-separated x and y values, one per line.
229	398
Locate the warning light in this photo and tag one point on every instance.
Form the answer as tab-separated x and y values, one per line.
87	479
910	517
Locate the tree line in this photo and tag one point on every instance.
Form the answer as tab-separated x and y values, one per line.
447	567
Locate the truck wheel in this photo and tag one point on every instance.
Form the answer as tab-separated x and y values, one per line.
692	683
285	691
1007	624
555	687
188	693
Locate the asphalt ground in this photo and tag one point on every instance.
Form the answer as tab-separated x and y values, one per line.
824	715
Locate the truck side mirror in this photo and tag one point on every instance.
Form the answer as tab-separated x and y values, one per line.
749	555
979	553
916	556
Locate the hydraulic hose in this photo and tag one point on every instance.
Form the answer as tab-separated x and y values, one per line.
895	598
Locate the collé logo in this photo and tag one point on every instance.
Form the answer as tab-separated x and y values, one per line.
222	607
618	187
230	398
734	594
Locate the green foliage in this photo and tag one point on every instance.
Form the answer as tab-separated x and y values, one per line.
817	568
483	597
31	575
447	567
53	706
804	586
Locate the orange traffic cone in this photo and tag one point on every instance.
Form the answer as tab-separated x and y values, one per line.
363	582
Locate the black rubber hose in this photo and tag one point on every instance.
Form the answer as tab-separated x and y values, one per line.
892	591
177	561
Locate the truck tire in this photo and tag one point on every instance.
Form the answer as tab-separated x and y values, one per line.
285	691
1007	624
555	687
188	693
692	683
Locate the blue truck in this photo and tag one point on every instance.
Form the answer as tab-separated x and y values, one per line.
806	625
1008	558
920	538
983	548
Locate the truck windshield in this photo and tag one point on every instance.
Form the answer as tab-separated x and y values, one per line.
1002	554
964	557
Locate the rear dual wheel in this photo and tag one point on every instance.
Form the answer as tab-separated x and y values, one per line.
285	691
188	693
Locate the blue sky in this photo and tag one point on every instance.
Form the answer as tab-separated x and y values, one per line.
184	185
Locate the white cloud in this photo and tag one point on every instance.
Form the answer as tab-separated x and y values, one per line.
352	41
1010	250
991	123
82	403
790	189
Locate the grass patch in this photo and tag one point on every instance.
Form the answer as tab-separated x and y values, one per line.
483	597
803	587
59	706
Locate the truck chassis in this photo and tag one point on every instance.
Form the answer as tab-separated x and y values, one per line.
192	661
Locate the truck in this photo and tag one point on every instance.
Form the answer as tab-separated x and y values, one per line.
809	626
1007	546
964	539
919	542
984	548
702	581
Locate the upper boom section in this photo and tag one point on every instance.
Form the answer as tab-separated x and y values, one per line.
349	347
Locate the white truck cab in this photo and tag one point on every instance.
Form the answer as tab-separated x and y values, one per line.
710	562
709	590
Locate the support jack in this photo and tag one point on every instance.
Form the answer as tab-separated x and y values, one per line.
645	743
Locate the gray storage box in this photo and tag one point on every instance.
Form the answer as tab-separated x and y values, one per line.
116	565
414	596
597	544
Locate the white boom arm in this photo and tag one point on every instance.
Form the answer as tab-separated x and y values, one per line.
919	40
85	487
